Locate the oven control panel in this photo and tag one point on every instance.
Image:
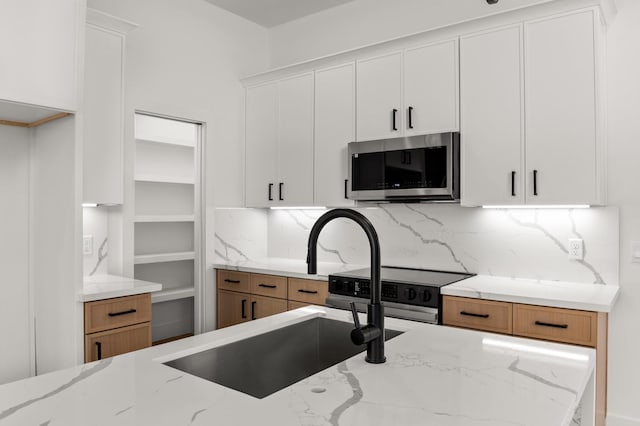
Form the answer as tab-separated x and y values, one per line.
410	294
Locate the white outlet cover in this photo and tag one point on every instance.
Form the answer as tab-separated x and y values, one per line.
635	251
575	249
87	244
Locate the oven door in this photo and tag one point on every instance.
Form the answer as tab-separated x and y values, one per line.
418	167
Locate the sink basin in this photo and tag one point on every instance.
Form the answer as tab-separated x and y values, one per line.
266	363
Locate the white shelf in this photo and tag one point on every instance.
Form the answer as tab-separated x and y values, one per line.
164	218
164	179
185	143
172	294
163	257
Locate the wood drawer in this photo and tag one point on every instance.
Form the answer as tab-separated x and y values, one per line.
295	305
233	280
559	325
269	285
262	307
115	342
478	314
308	291
118	312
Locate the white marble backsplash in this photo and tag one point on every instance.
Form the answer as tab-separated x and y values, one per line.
514	243
95	224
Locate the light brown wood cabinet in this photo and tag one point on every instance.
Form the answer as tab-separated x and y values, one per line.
576	327
244	296
116	326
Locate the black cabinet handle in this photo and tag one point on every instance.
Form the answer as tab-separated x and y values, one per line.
513	183
99	348
253	310
227	280
267	285
115	314
395	112
270	195
471	314
410	117
308	291
535	182
244	304
549	324
280	196
346	182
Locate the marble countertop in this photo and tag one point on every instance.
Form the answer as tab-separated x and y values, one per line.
560	294
98	287
434	375
289	267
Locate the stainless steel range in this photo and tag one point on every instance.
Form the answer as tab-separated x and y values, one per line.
412	294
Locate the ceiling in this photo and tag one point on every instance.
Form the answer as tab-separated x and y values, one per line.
270	13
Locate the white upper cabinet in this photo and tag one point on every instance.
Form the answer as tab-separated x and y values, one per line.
408	93
491	111
103	105
40	41
261	144
379	97
295	141
561	109
279	143
538	96
431	88
334	128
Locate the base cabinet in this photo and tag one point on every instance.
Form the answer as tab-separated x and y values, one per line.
244	296
116	326
584	328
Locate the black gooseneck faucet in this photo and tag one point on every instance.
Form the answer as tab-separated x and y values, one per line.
373	333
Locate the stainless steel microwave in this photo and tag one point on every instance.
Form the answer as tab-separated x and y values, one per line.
413	168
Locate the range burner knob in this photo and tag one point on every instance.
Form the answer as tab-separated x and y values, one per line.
426	296
411	293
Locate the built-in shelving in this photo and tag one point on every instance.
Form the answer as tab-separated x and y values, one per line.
167	222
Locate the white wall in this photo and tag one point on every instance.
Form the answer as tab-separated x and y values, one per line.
362	22
95	223
624	190
15	311
185	60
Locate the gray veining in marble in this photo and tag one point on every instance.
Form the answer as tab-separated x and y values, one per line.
102	255
124	410
197	413
354	399
514	367
85	373
227	246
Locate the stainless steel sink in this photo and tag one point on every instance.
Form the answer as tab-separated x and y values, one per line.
266	363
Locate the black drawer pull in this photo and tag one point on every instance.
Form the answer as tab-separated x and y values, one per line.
513	184
267	285
471	314
253	310
244	303
270	195
394	112
115	314
346	182
227	280
99	347
549	324
280	192
308	291
535	182
410	117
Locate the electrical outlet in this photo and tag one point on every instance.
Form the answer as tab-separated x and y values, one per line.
87	244
576	249
635	251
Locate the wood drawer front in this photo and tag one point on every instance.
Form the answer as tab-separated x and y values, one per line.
233	308
478	314
233	280
266	306
308	291
559	325
295	305
119	312
116	342
269	285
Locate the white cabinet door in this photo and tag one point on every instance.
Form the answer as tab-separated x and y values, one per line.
295	141
560	108
39	41
491	118
261	145
103	120
379	97
431	89
334	129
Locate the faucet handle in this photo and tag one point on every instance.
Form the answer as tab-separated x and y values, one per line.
354	312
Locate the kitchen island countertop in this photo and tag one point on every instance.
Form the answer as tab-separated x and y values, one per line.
434	375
